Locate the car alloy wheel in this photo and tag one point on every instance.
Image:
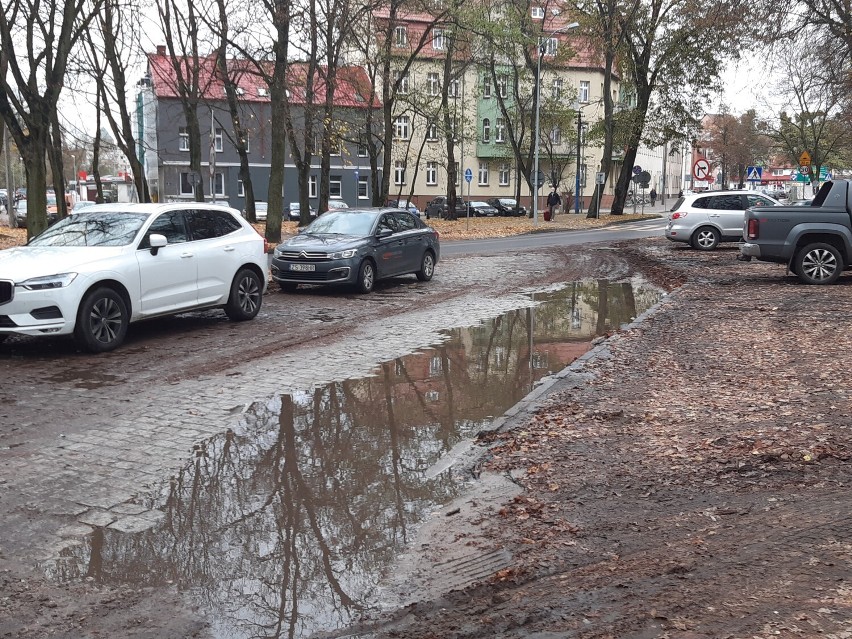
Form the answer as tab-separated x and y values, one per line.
706	238
366	277
101	321
818	264
246	296
427	267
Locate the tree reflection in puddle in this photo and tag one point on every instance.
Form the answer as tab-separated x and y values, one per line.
283	526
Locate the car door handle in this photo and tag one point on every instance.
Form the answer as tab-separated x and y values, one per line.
183	256
229	248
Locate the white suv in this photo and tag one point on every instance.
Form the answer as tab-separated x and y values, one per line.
705	219
94	272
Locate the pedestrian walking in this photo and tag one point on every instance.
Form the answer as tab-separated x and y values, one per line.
653	195
553	200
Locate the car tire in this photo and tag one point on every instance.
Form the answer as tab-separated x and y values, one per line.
366	277
246	296
705	238
818	263
102	320
427	267
288	287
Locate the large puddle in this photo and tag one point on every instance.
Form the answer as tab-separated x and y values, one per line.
284	525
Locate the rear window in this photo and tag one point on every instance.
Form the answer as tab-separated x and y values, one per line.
677	204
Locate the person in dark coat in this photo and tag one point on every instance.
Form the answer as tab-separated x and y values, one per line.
553	200
653	195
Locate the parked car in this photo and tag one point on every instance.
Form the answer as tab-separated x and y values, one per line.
438	207
805	202
357	247
508	207
79	205
705	219
93	273
260	210
336	205
21	212
293	212
405	204
482	209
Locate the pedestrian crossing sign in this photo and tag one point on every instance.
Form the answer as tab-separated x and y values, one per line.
754	173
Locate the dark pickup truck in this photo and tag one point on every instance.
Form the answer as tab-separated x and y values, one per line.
815	242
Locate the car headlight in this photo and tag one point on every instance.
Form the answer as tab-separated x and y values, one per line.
342	255
59	280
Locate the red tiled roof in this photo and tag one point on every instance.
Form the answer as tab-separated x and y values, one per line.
353	83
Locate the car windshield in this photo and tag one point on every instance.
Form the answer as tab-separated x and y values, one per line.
506	202
478	203
348	223
112	228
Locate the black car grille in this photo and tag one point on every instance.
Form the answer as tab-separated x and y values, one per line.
303	256
6	322
7	291
312	277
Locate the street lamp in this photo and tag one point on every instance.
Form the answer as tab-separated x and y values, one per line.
542	45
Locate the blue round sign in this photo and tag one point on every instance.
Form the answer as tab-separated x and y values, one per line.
468	175
637	170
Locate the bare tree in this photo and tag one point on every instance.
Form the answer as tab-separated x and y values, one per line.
35	43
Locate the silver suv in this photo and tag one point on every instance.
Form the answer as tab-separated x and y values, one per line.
705	219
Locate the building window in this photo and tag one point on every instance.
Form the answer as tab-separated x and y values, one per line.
503	86
241	189
483	174
362	147
500	131
218	140
363	187
400	36
433	83
431	173
584	91
432	132
453	90
185	187
504	174
183	139
486	130
456	173
550	46
312	186
439	40
400	128
335	187
538	13
556	136
219	183
486	86
556	88
399	172
401	82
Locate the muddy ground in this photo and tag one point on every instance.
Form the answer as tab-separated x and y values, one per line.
690	481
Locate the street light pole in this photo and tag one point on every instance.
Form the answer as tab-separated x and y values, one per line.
542	44
577	172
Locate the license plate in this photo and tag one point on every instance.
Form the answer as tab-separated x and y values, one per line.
303	267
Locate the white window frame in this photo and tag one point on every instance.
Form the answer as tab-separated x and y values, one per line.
400	36
556	88
363	151
503	86
403	82
183	178
500	130
486	130
183	138
399	172
335	187
583	94
454	88
432	132
218	183
241	189
439	39
551	46
401	127
538	13
486	86
431	173
433	82
505	172
483	174
364	181
556	135
219	139
312	186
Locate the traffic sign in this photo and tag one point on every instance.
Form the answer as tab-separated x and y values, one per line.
637	170
754	173
468	175
701	169
805	169
600	178
805	158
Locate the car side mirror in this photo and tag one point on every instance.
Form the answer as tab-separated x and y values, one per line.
157	242
382	233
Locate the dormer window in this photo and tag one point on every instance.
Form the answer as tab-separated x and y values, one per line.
400	36
538	13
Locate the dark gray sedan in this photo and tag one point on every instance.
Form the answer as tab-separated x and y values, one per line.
357	246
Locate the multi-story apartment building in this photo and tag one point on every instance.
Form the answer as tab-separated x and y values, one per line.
165	138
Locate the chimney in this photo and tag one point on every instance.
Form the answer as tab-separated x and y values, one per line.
161	49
